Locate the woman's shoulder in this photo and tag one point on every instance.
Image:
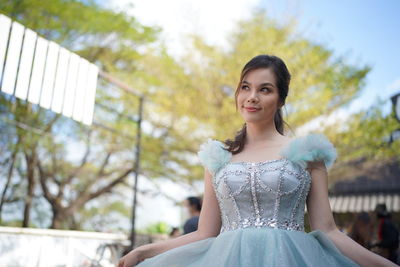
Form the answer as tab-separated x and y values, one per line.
213	155
309	148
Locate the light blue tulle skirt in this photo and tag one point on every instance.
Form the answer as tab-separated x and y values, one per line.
255	247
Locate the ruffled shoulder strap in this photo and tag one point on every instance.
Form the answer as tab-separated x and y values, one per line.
213	156
312	147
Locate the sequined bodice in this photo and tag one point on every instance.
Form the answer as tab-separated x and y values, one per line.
265	194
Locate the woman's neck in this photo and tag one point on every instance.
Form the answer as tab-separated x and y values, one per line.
257	133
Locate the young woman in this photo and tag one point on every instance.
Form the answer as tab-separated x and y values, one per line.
256	187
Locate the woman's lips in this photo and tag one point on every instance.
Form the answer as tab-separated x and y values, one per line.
250	109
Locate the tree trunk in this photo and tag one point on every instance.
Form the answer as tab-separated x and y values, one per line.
57	220
9	176
30	163
62	217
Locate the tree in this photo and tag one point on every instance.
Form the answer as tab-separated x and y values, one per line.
362	142
108	38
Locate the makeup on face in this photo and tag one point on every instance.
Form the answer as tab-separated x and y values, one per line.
258	97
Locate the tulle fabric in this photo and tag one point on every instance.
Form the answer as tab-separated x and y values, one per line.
301	150
255	247
312	147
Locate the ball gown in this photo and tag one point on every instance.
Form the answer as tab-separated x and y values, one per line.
262	207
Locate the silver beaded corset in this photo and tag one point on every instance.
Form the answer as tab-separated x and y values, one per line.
269	193
266	194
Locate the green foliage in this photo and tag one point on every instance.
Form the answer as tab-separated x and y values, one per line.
317	77
157	228
363	141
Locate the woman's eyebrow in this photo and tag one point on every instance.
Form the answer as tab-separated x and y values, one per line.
263	84
266	84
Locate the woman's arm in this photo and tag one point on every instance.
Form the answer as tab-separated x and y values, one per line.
321	218
209	226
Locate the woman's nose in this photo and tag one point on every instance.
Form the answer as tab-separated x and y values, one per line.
252	97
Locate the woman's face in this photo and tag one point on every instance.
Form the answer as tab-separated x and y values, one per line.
258	97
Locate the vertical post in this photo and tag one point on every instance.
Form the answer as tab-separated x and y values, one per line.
129	90
137	170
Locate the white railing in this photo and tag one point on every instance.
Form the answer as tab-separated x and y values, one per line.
31	247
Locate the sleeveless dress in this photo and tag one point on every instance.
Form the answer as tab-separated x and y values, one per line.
262	211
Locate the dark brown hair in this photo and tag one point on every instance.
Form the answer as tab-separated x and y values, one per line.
282	76
195	202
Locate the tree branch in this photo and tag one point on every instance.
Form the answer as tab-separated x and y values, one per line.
100	173
45	189
108	187
78	169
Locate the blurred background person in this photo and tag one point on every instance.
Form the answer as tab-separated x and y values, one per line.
361	230
387	235
193	206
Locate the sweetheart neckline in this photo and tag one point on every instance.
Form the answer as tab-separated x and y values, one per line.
257	163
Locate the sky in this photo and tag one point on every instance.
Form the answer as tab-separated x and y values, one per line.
367	32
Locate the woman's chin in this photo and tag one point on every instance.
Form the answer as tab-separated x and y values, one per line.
254	120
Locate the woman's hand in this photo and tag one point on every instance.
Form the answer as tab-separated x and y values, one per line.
130	259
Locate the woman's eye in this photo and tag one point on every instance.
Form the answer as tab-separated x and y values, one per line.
245	87
265	89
